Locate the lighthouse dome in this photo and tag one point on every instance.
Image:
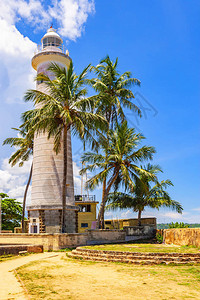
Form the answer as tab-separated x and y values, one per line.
51	39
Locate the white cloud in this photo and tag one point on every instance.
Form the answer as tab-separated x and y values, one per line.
164	216
108	214
128	214
33	11
13	179
13	42
72	15
196	209
16	170
16	74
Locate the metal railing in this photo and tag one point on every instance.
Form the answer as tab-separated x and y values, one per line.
51	47
85	198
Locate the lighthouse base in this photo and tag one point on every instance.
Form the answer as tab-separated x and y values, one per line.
47	219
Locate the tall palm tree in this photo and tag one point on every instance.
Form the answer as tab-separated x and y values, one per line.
118	162
113	96
144	194
64	107
113	91
24	143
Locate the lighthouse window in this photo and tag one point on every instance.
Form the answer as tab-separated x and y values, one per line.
45	43
51	41
58	42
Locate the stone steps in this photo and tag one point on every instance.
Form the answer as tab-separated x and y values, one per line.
136	257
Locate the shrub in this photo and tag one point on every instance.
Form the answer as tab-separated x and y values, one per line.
159	238
178	225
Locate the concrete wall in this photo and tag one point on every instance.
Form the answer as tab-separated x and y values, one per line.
146	230
144	221
182	236
58	241
121	223
106	235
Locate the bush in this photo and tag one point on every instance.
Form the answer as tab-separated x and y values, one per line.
159	238
178	225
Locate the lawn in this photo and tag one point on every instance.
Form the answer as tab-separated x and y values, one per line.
141	247
61	277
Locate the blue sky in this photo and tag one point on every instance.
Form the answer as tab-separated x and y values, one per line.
158	41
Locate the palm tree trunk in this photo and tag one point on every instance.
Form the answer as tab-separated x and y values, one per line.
64	192
139	217
102	206
99	225
24	200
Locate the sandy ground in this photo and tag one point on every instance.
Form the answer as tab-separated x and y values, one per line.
10	287
65	278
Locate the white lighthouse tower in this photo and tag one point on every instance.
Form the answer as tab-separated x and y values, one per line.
45	209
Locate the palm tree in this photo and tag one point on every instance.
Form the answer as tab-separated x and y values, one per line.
25	144
113	95
64	108
118	162
144	194
113	91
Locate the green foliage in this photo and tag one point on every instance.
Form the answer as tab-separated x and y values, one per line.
113	96
166	226
195	225
24	143
163	226
11	212
113	91
159	238
147	191
178	225
118	164
120	158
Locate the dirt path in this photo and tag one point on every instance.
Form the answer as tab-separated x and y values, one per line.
10	287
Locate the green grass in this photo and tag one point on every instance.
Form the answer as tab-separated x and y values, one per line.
154	248
6	257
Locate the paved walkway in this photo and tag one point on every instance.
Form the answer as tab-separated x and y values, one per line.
10	287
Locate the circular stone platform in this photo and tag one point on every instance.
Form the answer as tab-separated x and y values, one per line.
136	257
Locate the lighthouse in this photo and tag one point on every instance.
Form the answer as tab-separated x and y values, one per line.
45	209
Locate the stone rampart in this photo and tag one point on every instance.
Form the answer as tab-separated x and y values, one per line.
58	241
182	236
